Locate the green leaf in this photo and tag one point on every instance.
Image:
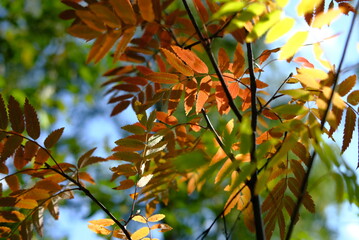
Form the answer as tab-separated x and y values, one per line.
229	8
190	160
293	44
245	135
279	29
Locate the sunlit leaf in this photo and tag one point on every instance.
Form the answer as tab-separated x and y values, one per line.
140	233
345	86
353	97
156	217
191	59
103	222
279	29
146	10
11	216
228	8
326	18
144	180
293	44
203	92
167	78
177	63
264	24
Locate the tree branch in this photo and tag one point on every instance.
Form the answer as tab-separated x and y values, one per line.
304	184
207	47
252	182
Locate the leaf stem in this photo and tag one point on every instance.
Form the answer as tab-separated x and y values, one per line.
304	184
207	47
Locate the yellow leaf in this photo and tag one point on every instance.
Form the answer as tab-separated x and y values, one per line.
99	229
318	52
337	100
279	29
139	218
325	18
103	222
140	233
310	77
264	24
156	217
292	45
306	6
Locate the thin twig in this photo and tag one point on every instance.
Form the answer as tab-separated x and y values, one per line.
304	184
206	45
252	182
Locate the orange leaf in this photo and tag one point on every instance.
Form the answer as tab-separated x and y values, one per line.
124	10
91	20
308	203
4	231
177	63
3	114
140	233
105	14
303	60
48	185
156	217
164	117
41	157
162	226
13	182
19	159
15	115
223	60
125	40
239	61
161	77
190	95
86	177
266	54
11	216
221	100
175	97
26	203
99	229
53	138
191	59
345	86
353	97
102	45
81	30
125	184
103	222
31	120
146	10
349	127
203	93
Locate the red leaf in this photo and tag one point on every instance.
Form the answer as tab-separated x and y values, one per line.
53	138
303	60
175	97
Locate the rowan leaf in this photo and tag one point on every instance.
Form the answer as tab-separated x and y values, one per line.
190	94
53	138
293	44
135	129
31	120
11	216
41	157
263	25
156	217
105	14
223	60
161	77
279	29
162	226
83	31
347	85
308	203
3	114
140	233
139	218
228	8
191	59
10	146
353	97
90	19
13	182
16	116
38	220
349	127
239	61
303	60
177	63
146	10
125	184
311	77
99	229
120	107
203	92
124	10
103	222
325	18
128	156
125	40
19	159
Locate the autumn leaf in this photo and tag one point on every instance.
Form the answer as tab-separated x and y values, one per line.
191	59
156	218
124	10
279	29
293	44
146	10
166	78
203	92
16	116
31	120
140	233
53	138
345	86
349	127
3	114
177	63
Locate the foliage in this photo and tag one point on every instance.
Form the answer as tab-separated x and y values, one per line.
259	159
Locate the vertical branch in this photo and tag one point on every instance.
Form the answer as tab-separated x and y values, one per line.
304	185
207	47
252	182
